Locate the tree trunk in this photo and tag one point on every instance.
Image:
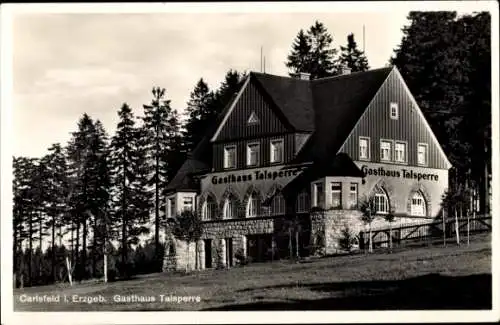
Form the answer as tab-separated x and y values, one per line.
157	207
187	263
30	248
76	262
290	242
456	227
297	244
371	241
444	227
124	218
390	236
53	268
94	249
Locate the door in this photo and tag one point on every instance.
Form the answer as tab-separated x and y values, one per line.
229	252
208	253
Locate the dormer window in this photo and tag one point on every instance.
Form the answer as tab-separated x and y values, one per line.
394	110
230	157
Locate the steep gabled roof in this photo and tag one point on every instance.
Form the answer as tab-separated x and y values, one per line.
339	103
329	108
292	96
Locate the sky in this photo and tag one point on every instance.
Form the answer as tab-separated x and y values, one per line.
68	64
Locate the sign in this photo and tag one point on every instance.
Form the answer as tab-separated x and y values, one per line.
404	173
256	175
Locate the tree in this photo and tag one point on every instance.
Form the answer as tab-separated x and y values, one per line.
198	111
128	163
56	192
352	57
160	127
390	219
299	60
312	52
187	226
368	214
454	95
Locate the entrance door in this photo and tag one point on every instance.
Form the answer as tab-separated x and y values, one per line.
229	252
208	253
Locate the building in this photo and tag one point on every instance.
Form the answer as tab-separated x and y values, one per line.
291	153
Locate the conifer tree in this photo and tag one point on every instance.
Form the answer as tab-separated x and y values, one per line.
352	57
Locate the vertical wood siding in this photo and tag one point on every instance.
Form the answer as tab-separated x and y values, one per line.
251	101
377	124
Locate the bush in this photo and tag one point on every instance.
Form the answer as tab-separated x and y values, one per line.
348	239
240	257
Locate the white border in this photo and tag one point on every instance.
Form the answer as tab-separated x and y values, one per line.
8	317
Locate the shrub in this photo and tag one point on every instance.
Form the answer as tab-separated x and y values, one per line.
240	257
347	239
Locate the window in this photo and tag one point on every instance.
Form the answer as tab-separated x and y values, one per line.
400	152
230	208
171	206
353	195
253	119
209	209
278	205
188	203
303	202
394	111
422	154
252	206
364	148
230	157
277	151
418	205
385	150
336	195
253	153
381	203
320	195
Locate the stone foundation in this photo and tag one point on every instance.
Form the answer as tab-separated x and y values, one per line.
326	233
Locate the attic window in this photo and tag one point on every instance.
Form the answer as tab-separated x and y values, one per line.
253	119
394	109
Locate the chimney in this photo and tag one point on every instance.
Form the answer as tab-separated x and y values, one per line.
345	70
302	75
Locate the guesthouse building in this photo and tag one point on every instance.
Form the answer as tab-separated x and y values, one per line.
286	166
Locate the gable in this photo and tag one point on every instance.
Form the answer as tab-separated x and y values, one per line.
410	126
251	105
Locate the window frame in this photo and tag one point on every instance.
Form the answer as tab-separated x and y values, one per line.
229	201
339	191
272	212
226	160
424	203
205	210
367	148
355	204
171	207
405	143
426	146
257	163
386	205
391	145
272	159
184	208
317	202
391	106
304	195
251	198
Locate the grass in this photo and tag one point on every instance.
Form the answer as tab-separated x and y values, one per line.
452	277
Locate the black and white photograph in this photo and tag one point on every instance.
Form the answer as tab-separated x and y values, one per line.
249	157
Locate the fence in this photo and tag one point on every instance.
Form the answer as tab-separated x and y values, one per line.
425	232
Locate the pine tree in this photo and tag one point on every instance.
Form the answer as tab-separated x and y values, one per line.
160	126
128	163
299	60
352	57
312	52
198	111
454	95
56	192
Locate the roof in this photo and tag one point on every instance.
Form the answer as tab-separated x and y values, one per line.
329	108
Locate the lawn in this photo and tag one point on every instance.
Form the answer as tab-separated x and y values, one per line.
433	277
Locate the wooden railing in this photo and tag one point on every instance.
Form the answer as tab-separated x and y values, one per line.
406	233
